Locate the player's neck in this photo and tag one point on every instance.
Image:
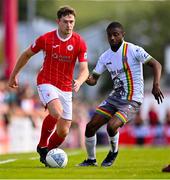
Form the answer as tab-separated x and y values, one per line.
116	46
62	35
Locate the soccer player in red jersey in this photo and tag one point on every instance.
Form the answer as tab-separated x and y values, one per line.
61	48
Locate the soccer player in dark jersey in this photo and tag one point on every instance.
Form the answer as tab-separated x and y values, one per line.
61	48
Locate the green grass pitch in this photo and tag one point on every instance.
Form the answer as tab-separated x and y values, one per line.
132	163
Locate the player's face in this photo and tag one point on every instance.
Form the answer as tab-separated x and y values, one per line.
115	36
66	24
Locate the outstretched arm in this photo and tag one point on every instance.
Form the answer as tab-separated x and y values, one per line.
22	60
82	76
156	91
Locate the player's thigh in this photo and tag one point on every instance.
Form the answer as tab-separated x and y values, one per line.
47	93
124	114
55	108
49	96
103	113
66	101
97	121
114	123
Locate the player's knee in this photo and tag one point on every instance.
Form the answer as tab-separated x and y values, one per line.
112	128
63	132
90	130
56	114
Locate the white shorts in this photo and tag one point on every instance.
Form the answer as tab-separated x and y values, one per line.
48	92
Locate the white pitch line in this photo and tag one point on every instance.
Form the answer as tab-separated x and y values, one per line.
35	158
7	161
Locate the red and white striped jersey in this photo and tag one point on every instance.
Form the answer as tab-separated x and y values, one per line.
60	56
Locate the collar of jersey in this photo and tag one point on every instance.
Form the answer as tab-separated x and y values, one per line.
62	38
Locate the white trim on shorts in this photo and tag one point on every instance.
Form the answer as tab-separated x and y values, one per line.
48	92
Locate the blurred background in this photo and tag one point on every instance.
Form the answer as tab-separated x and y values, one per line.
21	21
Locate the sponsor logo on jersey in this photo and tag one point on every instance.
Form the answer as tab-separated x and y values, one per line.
61	57
55	46
116	72
70	47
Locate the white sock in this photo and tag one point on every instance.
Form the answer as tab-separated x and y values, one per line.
114	142
91	146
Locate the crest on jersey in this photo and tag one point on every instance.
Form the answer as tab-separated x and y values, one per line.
70	47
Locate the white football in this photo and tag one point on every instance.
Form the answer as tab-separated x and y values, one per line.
56	158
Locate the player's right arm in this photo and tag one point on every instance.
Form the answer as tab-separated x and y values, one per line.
24	58
21	62
98	70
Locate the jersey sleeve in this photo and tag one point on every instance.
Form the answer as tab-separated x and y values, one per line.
141	55
38	44
100	67
82	56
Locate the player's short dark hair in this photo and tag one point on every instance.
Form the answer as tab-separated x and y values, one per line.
64	11
113	25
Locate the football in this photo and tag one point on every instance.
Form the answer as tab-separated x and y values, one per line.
57	158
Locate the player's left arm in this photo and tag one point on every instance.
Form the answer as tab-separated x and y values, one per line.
157	69
82	76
